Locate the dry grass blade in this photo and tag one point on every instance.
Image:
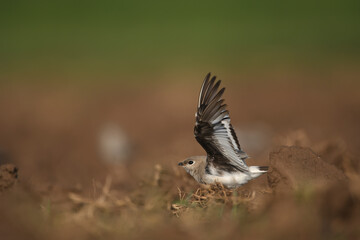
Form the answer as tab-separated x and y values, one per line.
210	195
157	175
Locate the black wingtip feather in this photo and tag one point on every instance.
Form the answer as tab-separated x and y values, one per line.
209	89
204	88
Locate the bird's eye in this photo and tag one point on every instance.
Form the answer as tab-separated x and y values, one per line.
190	162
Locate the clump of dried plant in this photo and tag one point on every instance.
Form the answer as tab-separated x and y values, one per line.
211	195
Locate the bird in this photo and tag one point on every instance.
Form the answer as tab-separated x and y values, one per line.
224	162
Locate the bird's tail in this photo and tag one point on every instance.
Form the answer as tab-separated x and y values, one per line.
256	171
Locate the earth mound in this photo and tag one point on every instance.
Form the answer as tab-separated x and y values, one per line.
292	167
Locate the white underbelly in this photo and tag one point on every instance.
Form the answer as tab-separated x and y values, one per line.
228	180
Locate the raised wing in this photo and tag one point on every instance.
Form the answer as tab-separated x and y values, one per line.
213	129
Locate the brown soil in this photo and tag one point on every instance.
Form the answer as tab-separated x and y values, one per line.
68	189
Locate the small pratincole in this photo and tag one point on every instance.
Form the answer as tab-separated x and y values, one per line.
225	160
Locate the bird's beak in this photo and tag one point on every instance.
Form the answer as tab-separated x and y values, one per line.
181	164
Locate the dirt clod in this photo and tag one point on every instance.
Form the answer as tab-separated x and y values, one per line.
8	176
291	167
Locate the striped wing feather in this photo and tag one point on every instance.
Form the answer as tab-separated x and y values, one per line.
213	129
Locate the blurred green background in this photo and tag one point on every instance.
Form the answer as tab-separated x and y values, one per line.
103	40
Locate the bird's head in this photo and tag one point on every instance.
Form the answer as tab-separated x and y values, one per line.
192	163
